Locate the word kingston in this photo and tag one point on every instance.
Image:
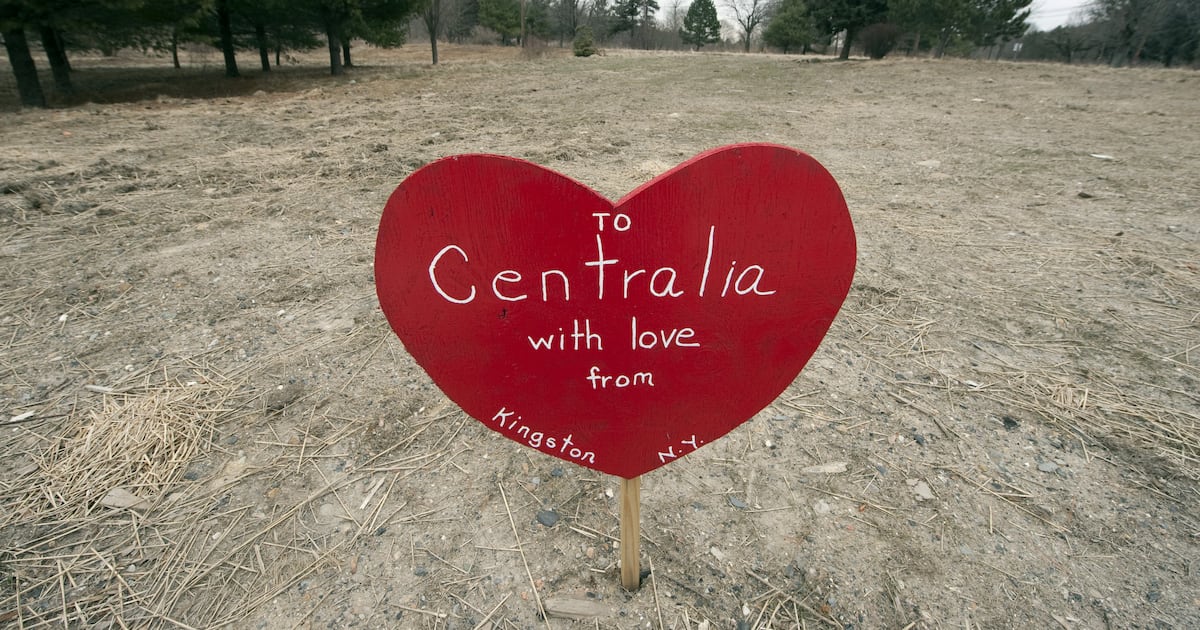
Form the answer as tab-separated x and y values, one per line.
512	423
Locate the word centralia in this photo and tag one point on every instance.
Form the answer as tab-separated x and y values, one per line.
511	285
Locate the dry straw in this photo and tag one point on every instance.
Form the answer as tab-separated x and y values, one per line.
77	519
137	443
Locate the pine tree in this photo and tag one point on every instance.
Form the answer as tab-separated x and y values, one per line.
700	25
851	16
502	16
585	42
635	16
791	29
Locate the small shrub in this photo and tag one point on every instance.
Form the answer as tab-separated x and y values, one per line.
879	39
585	42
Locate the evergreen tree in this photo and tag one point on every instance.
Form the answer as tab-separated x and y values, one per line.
502	16
537	19
462	20
998	21
585	42
834	16
1178	37
276	24
941	18
599	17
259	14
384	23
701	25
791	29
879	39
635	16
61	25
1128	26
379	22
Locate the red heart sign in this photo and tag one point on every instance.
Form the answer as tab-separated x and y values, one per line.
616	336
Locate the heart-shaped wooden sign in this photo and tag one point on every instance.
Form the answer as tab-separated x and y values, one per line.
622	336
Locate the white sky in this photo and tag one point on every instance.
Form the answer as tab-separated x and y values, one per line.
1048	14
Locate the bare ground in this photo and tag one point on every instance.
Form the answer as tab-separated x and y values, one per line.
188	316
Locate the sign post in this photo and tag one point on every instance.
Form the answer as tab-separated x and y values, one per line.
617	336
631	533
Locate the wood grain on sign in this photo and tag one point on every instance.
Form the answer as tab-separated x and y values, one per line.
618	336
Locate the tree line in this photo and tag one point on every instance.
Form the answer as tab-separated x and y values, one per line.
785	25
268	27
1122	32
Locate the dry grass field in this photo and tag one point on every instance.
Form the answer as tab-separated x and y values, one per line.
208	423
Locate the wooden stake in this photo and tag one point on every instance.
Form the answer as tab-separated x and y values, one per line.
631	568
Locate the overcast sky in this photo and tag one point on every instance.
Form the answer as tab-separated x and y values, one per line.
1050	13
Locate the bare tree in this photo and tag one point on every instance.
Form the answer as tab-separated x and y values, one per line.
676	10
432	16
568	19
1068	41
749	15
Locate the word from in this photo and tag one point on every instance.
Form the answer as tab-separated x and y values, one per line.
508	284
685	447
620	381
551	444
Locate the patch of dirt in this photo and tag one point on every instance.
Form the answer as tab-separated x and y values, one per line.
1012	383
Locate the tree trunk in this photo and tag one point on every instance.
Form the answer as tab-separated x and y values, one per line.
845	54
226	28
1136	57
645	26
59	65
62	45
175	48
335	50
916	49
264	51
23	68
943	41
278	51
1120	56
432	16
346	55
